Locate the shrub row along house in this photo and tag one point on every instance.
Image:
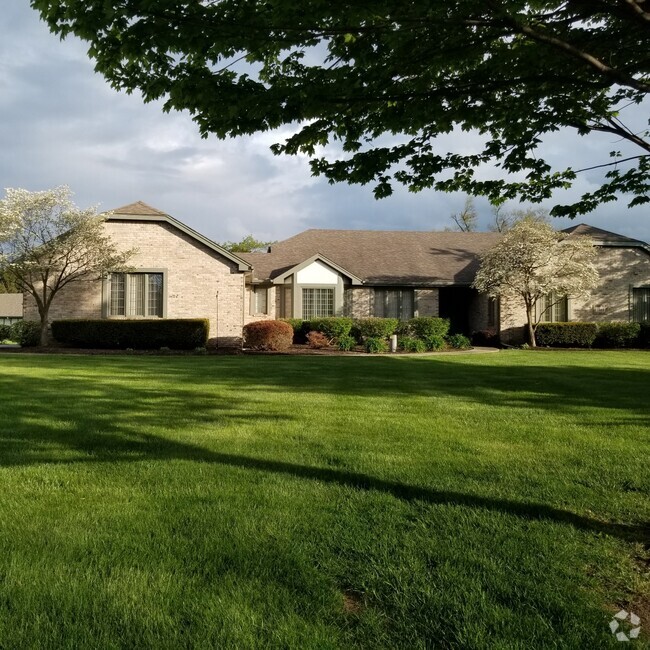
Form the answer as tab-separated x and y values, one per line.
178	273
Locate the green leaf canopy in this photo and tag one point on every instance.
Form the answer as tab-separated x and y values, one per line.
385	78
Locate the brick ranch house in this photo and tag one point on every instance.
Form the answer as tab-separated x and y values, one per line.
178	273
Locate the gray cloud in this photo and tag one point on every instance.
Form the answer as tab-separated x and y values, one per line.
61	123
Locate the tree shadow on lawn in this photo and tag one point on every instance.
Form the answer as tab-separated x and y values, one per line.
559	388
108	423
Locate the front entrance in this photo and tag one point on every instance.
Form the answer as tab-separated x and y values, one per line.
455	305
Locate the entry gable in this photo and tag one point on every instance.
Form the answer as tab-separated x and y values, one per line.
317	269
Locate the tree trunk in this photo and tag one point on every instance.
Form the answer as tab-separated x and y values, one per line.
44	337
531	329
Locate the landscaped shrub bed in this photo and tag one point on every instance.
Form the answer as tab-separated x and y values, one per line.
488	338
5	332
566	335
374	345
317	340
412	344
374	328
346	343
140	334
459	342
333	328
601	335
300	329
27	333
617	335
425	327
268	335
644	334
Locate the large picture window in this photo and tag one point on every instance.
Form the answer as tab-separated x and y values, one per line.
552	309
135	294
394	303
641	304
317	303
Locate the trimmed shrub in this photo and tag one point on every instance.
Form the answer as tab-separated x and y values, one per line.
375	328
566	335
374	344
426	327
411	344
617	335
5	333
333	328
404	330
488	338
434	342
300	329
644	334
136	334
346	343
268	335
317	340
459	342
27	333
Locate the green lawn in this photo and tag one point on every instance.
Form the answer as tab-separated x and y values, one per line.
468	501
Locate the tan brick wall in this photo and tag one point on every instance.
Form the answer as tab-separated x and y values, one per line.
619	269
359	302
609	301
272	305
200	282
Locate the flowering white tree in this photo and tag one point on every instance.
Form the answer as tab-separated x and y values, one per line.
47	243
532	261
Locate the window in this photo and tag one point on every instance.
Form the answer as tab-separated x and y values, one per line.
552	309
259	300
135	294
394	303
492	312
317	303
640	304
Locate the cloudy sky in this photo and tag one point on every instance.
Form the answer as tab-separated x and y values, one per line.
62	124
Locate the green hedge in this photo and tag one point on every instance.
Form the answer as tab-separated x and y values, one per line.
566	335
300	328
333	327
175	334
644	334
429	327
374	328
375	345
5	332
617	335
27	333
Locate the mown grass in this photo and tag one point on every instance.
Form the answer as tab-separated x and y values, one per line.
488	501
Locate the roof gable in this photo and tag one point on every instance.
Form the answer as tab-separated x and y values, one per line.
140	211
138	208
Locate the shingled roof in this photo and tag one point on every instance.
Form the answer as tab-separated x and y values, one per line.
600	235
382	256
139	208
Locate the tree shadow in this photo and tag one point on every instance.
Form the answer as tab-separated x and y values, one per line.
111	419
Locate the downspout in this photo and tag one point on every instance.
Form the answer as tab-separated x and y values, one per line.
216	298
